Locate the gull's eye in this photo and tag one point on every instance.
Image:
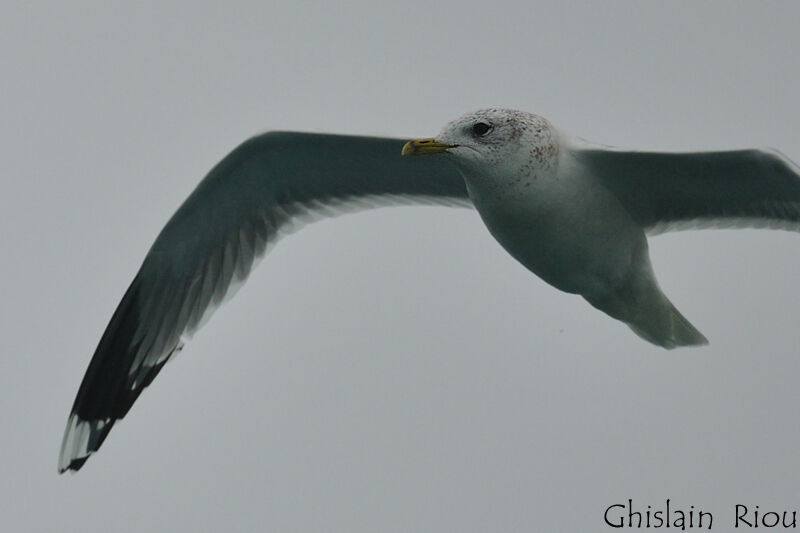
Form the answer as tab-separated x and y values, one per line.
481	128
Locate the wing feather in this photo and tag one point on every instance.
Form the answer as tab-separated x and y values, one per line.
666	191
267	187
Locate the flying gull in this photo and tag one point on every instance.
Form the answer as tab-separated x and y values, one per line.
574	213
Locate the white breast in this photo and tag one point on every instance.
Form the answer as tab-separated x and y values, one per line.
550	215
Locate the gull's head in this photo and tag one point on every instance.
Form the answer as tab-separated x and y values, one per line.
516	141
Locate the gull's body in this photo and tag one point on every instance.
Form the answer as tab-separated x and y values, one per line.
547	205
574	213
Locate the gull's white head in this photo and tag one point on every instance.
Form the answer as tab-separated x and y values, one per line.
494	142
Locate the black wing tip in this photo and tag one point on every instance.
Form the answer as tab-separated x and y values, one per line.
74	465
103	396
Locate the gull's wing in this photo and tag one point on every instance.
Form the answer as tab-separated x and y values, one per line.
668	191
262	189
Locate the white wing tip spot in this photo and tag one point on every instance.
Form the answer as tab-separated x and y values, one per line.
78	437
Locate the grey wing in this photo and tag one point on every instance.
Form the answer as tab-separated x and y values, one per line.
261	190
671	191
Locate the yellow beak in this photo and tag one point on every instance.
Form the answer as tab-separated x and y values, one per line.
425	146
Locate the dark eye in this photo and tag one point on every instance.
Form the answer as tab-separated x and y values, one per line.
481	128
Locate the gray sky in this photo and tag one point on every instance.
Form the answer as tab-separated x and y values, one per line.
393	370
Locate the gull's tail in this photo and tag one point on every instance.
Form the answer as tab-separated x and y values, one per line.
667	327
650	314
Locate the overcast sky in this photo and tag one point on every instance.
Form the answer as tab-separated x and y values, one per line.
393	370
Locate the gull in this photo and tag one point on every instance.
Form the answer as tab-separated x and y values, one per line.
574	213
